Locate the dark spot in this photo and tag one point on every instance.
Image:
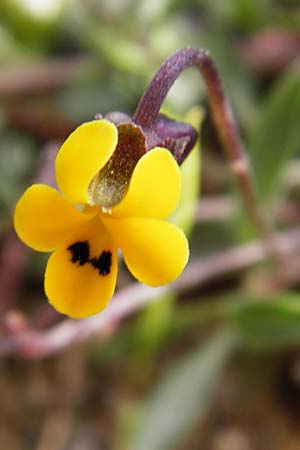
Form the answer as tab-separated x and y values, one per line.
80	252
102	263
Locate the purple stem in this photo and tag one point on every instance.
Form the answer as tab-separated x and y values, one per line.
150	104
152	100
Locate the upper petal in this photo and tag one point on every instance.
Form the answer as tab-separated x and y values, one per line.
82	155
81	274
43	218
155	251
154	188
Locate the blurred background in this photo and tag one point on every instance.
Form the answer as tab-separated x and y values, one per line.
212	363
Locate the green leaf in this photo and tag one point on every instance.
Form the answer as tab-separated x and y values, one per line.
183	396
276	138
269	325
17	153
153	324
125	54
33	23
185	214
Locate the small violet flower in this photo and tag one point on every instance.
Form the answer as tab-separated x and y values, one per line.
119	179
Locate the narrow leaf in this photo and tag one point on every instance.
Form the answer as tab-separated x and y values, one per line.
185	214
183	396
269	325
277	136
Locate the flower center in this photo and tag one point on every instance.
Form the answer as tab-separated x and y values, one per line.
110	185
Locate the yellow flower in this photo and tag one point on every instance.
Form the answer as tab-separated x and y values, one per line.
91	220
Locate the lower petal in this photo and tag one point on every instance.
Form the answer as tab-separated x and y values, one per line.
81	274
155	251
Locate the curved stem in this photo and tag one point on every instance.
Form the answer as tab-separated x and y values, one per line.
150	104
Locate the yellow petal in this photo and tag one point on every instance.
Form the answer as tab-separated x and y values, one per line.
154	188
155	251
81	275
82	155
43	218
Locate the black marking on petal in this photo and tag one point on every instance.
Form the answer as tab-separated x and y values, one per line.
102	263
80	252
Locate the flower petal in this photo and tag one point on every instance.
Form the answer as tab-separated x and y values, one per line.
81	274
154	188
155	251
43	218
82	155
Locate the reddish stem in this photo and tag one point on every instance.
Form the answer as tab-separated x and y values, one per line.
150	104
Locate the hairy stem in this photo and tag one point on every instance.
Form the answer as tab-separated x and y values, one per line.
150	104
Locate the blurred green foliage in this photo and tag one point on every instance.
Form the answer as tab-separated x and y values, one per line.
275	139
186	390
